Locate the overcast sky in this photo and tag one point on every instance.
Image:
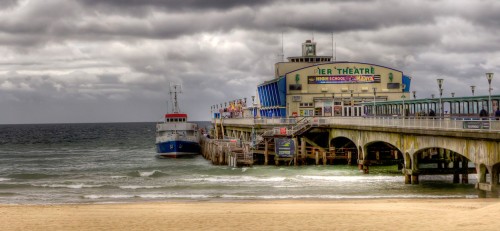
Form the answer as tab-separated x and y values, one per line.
112	60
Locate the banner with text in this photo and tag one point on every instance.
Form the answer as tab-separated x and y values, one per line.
339	79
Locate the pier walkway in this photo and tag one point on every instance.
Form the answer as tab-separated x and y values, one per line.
418	145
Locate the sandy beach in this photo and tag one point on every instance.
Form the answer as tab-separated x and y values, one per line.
380	214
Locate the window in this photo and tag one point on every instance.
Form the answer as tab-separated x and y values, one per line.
393	86
295	87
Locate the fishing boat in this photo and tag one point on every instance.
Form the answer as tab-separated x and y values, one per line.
175	136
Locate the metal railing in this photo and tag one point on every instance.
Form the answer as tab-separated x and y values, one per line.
483	124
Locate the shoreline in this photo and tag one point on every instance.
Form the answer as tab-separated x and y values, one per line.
303	214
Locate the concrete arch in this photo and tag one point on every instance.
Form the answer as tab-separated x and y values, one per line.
352	137
384	153
343	146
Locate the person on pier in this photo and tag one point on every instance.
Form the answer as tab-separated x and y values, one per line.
432	113
483	113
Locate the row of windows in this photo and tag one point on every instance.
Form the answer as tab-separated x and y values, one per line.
308	60
176	120
306	104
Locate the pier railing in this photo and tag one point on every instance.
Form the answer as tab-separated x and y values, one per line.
431	123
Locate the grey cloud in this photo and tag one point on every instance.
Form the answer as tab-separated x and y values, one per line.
177	5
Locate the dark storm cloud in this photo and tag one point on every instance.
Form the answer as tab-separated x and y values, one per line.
178	5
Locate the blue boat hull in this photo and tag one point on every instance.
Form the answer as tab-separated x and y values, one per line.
177	148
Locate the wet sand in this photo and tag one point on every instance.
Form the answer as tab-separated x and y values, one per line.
379	214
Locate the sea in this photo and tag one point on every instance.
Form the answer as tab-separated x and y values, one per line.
115	163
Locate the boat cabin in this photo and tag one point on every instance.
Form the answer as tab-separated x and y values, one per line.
175	117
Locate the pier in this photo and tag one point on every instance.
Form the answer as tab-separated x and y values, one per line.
229	152
417	146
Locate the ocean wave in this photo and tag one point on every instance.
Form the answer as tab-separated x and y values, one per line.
336	197
154	173
139	187
232	179
147	196
359	179
116	196
118	177
171	196
31	176
72	186
4	179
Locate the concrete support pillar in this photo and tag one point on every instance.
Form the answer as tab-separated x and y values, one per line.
465	171
495	178
440	158
366	169
447	159
407	179
303	148
266	152
332	153
296	151
349	157
359	161
456	174
414	179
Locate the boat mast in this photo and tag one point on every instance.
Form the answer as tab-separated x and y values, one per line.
175	88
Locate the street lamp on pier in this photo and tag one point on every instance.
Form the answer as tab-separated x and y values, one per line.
489	76
452	94
472	88
414	94
440	84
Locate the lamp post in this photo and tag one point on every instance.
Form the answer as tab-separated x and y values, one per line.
440	84
414	94
374	98
452	94
472	88
489	76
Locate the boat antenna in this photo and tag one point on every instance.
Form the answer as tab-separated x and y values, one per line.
334	49
282	49
280	57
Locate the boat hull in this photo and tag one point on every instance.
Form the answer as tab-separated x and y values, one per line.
176	148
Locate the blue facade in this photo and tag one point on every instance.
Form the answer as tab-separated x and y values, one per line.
272	96
406	81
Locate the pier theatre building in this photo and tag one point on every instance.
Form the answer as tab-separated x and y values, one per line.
311	85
